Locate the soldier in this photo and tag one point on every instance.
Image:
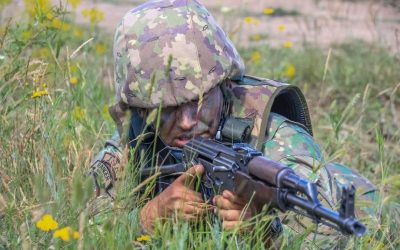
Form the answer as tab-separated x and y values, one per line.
171	54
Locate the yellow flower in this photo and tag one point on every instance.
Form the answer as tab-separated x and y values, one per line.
255	38
37	6
74	3
143	237
290	70
50	16
73	80
76	235
287	44
100	48
74	68
94	15
78	113
251	20
256	57
38	93
248	19
106	113
269	11
78	33
46	223
65	234
60	25
281	27
26	35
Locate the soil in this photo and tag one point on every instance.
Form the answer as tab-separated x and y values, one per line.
317	22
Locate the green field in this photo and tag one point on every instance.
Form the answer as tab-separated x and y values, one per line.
56	82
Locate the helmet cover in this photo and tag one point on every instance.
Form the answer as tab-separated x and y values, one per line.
169	52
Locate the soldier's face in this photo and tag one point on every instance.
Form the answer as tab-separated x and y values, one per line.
180	124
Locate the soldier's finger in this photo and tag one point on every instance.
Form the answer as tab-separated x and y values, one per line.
193	210
233	198
204	205
191	175
224	203
190	195
230	225
229	215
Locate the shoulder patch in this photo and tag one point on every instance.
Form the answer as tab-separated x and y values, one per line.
103	171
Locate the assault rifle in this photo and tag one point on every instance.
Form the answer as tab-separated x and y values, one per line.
244	171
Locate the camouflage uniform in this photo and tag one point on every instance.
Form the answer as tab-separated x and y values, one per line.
169	52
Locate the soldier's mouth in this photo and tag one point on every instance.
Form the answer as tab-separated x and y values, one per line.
181	140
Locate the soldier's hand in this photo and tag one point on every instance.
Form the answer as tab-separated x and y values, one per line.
232	210
179	198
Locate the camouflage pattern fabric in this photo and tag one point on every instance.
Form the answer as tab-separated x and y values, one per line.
167	53
290	143
254	98
105	170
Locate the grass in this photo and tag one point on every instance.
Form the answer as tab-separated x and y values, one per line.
47	142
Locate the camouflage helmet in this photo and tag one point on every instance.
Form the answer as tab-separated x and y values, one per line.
168	52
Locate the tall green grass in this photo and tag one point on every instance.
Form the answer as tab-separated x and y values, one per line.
47	142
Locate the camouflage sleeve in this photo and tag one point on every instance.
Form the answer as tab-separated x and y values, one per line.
104	171
290	143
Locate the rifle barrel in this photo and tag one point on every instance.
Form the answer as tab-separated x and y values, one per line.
348	225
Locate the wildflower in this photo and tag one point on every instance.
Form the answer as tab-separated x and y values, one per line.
38	6
74	3
65	234
94	15
281	27
143	237
74	68
251	20
100	49
290	70
73	80
106	113
46	223
60	25
269	11
256	57
76	235
78	33
255	38
38	93
287	44
50	16
78	113
26	35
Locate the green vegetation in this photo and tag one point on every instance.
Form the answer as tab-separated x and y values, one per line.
55	86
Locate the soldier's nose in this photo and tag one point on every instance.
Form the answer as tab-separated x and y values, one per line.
188	118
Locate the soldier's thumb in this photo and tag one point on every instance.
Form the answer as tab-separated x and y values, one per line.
191	174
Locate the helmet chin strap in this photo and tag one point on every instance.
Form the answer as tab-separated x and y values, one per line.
224	113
